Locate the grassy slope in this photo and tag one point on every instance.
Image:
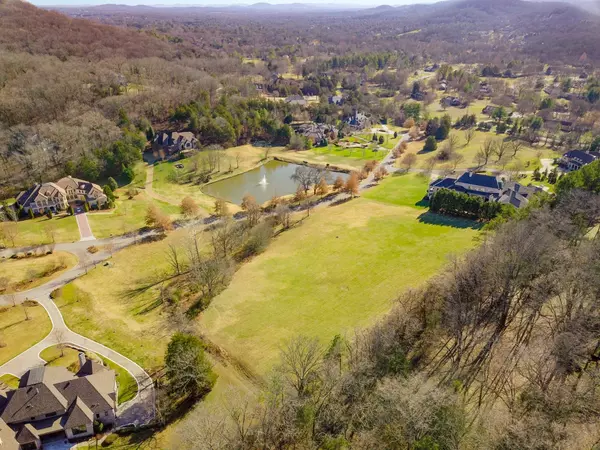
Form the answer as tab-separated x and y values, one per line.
19	334
340	270
26	272
126	383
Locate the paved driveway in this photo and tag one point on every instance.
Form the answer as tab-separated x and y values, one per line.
85	231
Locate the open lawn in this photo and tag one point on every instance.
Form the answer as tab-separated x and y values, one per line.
528	157
128	214
476	107
21	327
176	183
340	270
27	273
9	381
40	230
68	357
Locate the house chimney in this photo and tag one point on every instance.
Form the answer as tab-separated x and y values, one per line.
82	359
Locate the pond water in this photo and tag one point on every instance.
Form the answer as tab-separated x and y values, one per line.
264	182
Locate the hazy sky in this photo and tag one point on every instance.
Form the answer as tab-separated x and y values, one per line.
353	3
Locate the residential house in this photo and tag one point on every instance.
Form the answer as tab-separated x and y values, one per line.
576	159
316	132
336	100
81	191
52	402
168	143
296	100
489	110
490	188
454	101
58	196
43	197
358	120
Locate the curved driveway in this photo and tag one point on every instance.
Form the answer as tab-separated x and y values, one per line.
141	408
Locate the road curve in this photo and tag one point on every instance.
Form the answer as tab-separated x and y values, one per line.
140	409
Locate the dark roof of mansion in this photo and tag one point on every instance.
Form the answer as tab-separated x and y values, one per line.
47	390
478	179
584	157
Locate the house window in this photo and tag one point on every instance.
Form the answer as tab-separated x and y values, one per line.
97	415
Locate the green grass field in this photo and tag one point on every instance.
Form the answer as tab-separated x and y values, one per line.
340	270
528	157
34	231
128	215
127	386
27	273
17	333
10	381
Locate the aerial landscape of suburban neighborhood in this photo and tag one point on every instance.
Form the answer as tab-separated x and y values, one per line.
300	226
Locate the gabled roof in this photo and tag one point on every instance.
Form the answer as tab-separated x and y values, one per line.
77	415
92	390
27	435
478	179
443	182
33	401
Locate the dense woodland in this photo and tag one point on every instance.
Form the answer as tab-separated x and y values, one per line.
76	95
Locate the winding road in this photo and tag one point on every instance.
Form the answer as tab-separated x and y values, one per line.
139	410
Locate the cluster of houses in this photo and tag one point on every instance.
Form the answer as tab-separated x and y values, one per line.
488	187
52	403
58	196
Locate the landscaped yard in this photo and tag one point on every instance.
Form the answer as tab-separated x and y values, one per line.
39	230
68	357
17	333
128	214
528	157
27	273
10	381
172	182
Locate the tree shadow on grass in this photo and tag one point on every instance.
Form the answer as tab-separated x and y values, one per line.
446	221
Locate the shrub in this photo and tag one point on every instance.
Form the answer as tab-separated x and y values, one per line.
430	144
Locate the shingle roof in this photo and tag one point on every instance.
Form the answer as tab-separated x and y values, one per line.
26	435
77	415
584	157
90	390
48	390
479	179
33	401
443	182
90	367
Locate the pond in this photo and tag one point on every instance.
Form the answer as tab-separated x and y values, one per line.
264	182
